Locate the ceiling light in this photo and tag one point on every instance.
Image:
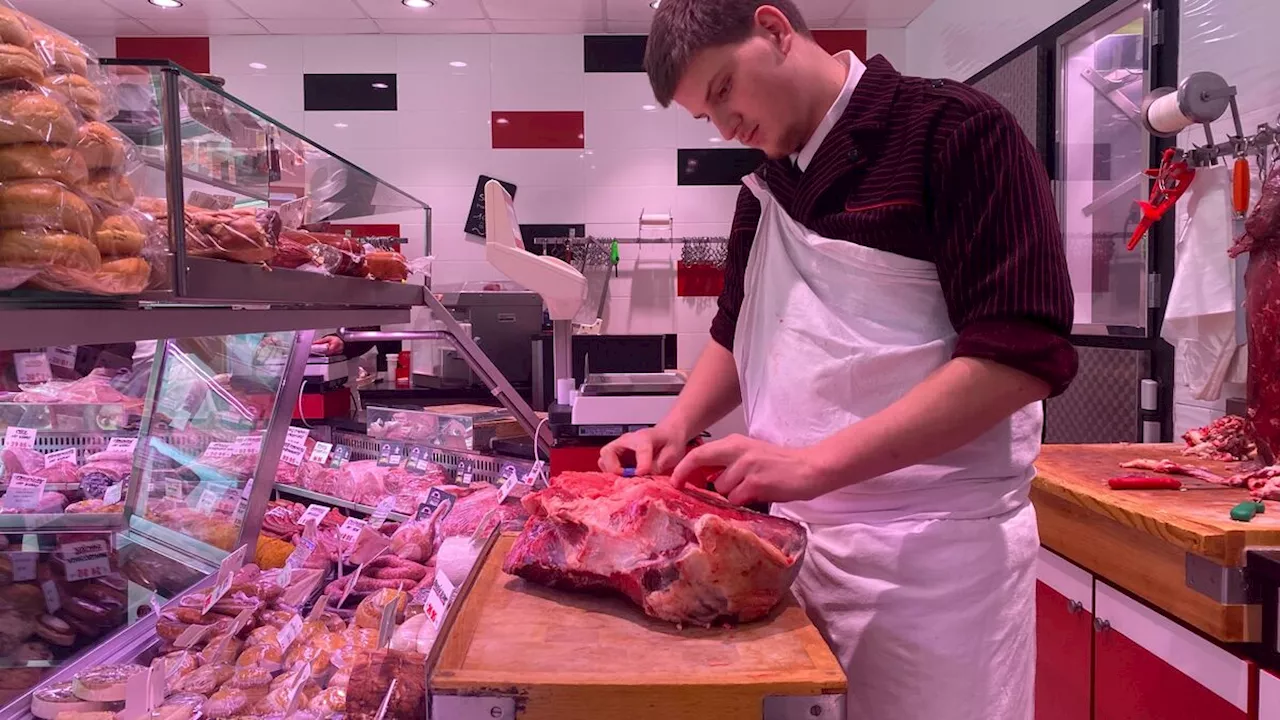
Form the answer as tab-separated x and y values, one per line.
503	121
715	140
417	4
166	3
458	63
654	4
339	125
380	86
648	107
257	66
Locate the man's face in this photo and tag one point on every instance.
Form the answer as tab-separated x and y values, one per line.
749	92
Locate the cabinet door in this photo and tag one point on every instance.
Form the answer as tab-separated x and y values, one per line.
1268	696
1147	667
1064	632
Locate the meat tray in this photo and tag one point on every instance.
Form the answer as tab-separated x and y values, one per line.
567	656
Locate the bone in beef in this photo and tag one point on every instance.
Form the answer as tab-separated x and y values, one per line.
1172	468
1226	439
1262	311
685	556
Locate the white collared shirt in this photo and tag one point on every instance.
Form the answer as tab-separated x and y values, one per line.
856	69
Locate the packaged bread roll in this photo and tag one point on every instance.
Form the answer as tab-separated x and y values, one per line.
34	117
61	54
119	236
32	161
109	187
80	94
14	29
19	63
43	204
102	147
39	248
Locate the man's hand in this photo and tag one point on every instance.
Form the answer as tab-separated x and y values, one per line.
757	471
328	346
656	451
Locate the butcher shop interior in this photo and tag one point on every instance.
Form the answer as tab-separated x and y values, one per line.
635	359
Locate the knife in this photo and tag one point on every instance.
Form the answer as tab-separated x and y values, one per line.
1140	482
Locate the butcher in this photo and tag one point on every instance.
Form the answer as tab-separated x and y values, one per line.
896	309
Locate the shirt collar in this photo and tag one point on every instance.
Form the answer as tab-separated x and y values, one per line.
810	148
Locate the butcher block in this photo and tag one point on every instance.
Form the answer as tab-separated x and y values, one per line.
1178	550
553	654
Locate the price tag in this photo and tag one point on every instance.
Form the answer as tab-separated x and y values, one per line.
351	584
537	476
192	635
380	513
317	610
417	464
301	674
350	530
218	451
32	367
314	514
341	456
122	444
510	479
173	489
19	437
62	356
86	560
24	565
295	446
208	501
53	458
435	498
114	494
390	454
24	492
438	599
300	554
369	545
289	632
246	444
229	420
241	622
386	700
52	601
466	472
226	571
320	453
387	624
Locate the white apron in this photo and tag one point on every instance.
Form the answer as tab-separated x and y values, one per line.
922	581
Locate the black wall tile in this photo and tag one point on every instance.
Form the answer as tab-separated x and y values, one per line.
322	91
531	232
613	53
716	166
475	218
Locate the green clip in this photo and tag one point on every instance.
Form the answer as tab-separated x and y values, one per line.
1245	511
614	257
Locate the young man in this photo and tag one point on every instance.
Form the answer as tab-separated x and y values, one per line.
896	307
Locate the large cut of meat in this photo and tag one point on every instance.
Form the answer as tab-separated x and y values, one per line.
1226	439
1172	468
683	555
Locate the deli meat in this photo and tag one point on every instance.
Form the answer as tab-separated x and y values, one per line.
1226	438
683	555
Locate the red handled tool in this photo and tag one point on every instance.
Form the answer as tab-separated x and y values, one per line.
1173	177
1142	482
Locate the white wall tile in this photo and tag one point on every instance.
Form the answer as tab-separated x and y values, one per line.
540	205
529	54
618	167
626	316
104	46
452	274
443	91
538	168
348	53
694	314
689	347
618	91
534	90
231	54
606	204
890	42
467	129
363	129
272	94
434	53
630	129
706	203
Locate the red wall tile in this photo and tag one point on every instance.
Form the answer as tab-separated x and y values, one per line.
191	53
540	129
833	41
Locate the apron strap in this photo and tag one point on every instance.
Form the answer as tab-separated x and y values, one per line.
759	189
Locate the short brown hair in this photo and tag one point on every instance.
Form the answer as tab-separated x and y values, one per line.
683	28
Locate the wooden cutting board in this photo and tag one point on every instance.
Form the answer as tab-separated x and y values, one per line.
1140	539
569	656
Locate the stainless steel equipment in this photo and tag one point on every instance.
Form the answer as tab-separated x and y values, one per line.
503	325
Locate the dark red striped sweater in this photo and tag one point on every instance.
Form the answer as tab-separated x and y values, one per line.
934	170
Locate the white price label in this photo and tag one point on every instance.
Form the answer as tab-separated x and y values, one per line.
32	367
320	453
24	565
62	356
289	632
314	514
24	492
247	444
86	560
53	458
226	571
438	599
52	601
350	530
380	513
122	444
114	494
301	553
19	437
296	436
192	635
173	489
219	451
510	479
295	447
208	501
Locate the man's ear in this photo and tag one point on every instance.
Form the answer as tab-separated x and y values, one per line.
776	27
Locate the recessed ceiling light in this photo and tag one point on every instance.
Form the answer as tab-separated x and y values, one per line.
257	66
503	121
418	4
715	140
339	125
380	86
166	3
654	4
648	107
458	63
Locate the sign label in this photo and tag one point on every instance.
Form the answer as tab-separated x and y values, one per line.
173	489
435	498
52	601
226	571
295	446
510	478
208	501
290	632
218	451
53	458
62	356
390	454
350	530
122	444
314	514
24	492
438	599
86	560
18	437
114	494
247	444
320	453
24	565
32	367
380	513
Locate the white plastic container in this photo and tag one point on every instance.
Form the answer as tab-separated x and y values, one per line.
393	361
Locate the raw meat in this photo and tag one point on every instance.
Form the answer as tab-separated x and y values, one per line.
1172	468
371	680
473	509
683	555
1262	311
103	470
1226	438
21	461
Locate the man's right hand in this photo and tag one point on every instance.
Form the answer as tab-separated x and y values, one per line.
656	451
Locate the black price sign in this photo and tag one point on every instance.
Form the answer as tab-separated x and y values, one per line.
435	499
466	471
390	454
418	459
341	456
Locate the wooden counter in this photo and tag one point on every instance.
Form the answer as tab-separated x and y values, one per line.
570	656
1141	540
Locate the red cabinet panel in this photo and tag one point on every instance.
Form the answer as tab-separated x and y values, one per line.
1064	634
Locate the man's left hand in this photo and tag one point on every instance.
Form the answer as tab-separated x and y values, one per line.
757	471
